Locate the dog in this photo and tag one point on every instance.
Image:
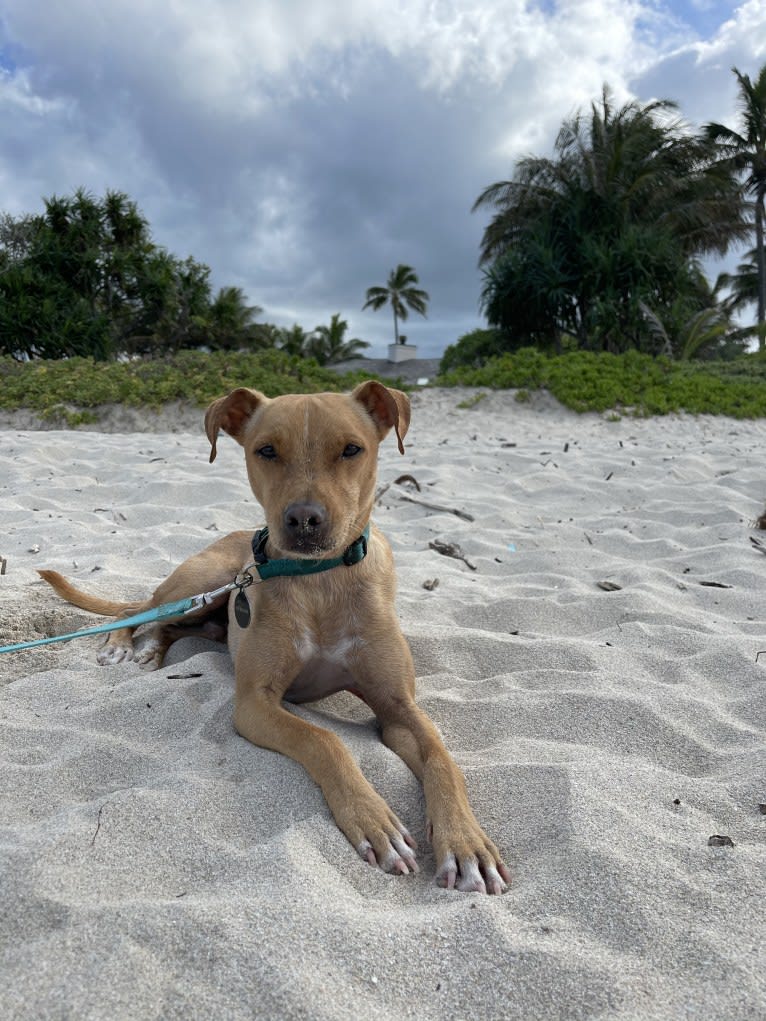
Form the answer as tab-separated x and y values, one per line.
312	464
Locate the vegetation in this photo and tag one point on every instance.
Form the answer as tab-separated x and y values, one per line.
744	154
632	383
72	390
581	245
85	278
328	344
472	350
401	293
593	286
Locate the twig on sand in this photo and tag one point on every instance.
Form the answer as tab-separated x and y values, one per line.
438	507
451	549
760	546
421	503
407	478
98	825
397	482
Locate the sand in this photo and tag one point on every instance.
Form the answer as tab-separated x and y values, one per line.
156	865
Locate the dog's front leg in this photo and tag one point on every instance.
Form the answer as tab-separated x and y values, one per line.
465	856
360	812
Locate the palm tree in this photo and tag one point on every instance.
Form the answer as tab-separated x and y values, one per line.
328	344
742	285
745	152
618	215
231	321
293	341
401	292
704	330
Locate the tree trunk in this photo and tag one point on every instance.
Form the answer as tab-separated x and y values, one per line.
396	325
760	261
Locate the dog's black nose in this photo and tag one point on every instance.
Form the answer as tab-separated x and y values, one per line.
304	520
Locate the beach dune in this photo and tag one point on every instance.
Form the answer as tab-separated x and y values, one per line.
593	665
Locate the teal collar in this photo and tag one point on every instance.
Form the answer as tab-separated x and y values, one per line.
285	567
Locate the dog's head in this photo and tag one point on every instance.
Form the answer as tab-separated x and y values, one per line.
311	459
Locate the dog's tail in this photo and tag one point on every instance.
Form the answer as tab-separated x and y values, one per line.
95	604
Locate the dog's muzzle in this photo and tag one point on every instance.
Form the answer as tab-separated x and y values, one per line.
306	527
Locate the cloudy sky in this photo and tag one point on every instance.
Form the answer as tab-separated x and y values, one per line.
303	148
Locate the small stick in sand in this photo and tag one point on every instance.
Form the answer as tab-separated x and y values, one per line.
407	478
397	482
451	549
98	825
438	507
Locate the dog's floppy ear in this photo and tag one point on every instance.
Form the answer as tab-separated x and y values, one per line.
230	413
388	408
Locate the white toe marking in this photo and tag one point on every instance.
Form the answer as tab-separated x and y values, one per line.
111	654
495	882
447	872
470	878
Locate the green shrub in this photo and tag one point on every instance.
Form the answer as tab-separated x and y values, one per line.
632	382
67	387
472	350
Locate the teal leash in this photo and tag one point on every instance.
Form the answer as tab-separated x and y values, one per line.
266	569
177	609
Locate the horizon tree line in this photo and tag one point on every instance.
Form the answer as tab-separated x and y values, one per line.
598	247
85	278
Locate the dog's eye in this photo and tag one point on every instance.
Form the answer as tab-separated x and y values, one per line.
268	453
351	450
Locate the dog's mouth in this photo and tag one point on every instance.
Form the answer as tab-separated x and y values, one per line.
308	549
309	545
321	543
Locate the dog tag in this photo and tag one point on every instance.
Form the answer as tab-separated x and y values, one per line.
242	609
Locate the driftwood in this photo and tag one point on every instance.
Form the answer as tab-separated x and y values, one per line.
451	549
397	482
421	503
438	507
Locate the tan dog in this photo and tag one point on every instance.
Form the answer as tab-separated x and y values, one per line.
311	462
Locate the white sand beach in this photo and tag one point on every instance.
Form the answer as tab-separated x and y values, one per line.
154	865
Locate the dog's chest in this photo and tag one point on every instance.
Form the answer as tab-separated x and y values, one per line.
327	665
311	647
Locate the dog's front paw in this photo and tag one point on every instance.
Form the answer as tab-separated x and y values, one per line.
394	852
151	654
470	863
110	654
378	836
